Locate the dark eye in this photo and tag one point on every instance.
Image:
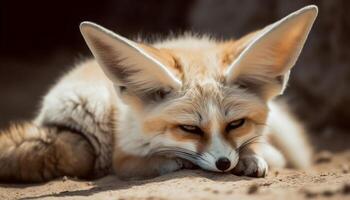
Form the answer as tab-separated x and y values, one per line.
242	85
160	94
235	124
191	129
122	88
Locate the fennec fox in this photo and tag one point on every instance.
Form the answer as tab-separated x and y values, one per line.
142	110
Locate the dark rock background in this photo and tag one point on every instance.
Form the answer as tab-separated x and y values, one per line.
40	40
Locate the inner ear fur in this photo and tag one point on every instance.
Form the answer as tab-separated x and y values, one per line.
136	67
164	56
263	60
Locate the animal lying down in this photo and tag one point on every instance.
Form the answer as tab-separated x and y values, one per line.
142	110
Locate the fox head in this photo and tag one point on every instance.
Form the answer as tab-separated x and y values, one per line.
196	98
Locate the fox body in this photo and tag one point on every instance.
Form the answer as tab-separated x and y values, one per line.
141	110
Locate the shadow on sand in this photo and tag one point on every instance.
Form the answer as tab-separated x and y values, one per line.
112	183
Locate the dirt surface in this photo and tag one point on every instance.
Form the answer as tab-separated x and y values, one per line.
328	179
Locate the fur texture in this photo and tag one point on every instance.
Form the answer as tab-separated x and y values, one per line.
149	109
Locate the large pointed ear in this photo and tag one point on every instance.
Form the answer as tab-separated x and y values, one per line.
264	64
126	63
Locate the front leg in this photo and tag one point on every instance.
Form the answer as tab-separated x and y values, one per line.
136	167
251	163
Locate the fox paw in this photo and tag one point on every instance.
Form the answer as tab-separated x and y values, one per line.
252	165
170	165
187	164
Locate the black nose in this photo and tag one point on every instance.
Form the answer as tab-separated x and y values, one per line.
223	163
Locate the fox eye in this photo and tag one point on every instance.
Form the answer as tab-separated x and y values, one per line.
235	124
122	88
191	129
160	94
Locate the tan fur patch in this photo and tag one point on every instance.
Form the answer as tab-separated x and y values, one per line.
165	57
31	153
230	50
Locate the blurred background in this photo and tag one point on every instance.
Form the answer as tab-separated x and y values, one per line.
40	40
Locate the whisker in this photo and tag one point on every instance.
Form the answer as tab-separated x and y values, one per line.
250	141
174	150
182	153
210	154
229	155
178	154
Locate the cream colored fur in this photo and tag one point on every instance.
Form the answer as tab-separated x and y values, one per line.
128	106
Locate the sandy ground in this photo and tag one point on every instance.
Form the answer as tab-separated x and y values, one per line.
328	179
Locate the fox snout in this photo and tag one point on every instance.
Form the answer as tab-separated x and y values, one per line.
223	163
